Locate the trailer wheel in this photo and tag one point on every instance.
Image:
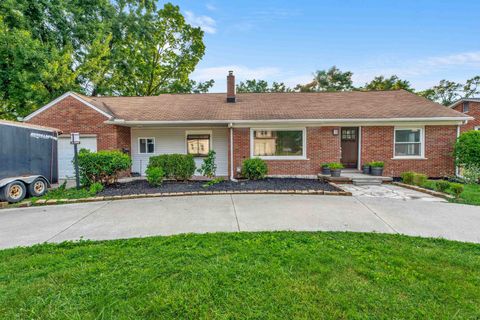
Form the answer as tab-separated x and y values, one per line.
37	188
14	192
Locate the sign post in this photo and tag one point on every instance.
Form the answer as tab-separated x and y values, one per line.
75	140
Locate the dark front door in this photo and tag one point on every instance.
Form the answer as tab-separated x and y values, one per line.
349	136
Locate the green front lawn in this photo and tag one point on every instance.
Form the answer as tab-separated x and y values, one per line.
470	195
281	275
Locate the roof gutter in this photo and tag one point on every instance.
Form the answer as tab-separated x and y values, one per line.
227	122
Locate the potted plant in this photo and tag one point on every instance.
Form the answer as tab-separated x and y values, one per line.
366	168
376	168
335	169
325	169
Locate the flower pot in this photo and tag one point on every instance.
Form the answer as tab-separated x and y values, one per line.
325	170
366	169
376	171
335	172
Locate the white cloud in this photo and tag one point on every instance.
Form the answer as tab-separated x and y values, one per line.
465	58
205	23
211	7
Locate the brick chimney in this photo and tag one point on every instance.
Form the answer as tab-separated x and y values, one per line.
231	87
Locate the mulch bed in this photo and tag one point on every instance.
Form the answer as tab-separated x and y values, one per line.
277	184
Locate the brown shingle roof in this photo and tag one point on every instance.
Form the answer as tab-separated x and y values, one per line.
274	106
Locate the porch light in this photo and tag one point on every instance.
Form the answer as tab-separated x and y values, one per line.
335	132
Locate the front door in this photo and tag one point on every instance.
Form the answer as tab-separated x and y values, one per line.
349	136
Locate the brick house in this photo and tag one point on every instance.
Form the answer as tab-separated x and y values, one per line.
294	132
470	107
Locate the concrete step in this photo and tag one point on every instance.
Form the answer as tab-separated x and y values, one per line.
367	182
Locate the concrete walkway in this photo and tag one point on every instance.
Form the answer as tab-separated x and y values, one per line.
418	216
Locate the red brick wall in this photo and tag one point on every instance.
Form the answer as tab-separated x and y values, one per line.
377	145
474	111
71	115
322	146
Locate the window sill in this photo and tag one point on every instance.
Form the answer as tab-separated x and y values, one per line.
409	158
280	158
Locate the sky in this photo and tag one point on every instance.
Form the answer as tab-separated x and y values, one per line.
422	41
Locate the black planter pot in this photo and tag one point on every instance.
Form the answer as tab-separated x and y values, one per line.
376	171
325	170
366	169
335	172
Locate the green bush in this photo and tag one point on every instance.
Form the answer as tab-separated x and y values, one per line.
96	188
102	166
208	167
377	164
471	173
467	149
442	185
407	177
335	165
419	179
155	176
174	166
212	182
456	188
254	169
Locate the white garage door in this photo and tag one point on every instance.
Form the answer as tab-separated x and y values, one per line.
65	154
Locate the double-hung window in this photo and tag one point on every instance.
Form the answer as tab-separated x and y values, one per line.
278	143
198	145
409	143
146	145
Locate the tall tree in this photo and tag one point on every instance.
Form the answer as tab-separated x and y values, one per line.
261	86
119	47
332	79
391	83
446	92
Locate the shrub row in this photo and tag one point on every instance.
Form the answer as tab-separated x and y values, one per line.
174	166
421	180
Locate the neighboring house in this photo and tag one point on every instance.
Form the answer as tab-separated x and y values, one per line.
470	107
294	132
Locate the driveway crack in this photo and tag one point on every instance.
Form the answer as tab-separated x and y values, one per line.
374	213
235	212
82	218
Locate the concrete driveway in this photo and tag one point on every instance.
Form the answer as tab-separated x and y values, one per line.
418	215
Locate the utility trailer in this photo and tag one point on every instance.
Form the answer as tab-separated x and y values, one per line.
28	160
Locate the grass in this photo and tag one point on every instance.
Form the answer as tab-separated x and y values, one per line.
470	194
63	193
281	275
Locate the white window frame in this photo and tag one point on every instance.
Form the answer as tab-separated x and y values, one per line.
146	147
209	132
304	142
422	142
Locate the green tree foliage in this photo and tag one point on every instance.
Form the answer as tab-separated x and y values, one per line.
254	85
447	92
124	47
467	149
391	83
332	79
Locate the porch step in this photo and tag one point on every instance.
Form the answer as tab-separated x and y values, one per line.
367	182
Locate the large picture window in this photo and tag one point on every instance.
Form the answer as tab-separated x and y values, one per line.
409	142
146	145
282	144
198	144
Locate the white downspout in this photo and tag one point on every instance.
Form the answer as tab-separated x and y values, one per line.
457	169
230	126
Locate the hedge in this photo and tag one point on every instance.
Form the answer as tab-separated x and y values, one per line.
174	166
102	166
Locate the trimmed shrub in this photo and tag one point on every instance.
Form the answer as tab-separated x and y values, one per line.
467	149
96	188
174	166
419	179
456	189
335	165
407	177
471	173
442	185
102	166
254	169
154	176
208	167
